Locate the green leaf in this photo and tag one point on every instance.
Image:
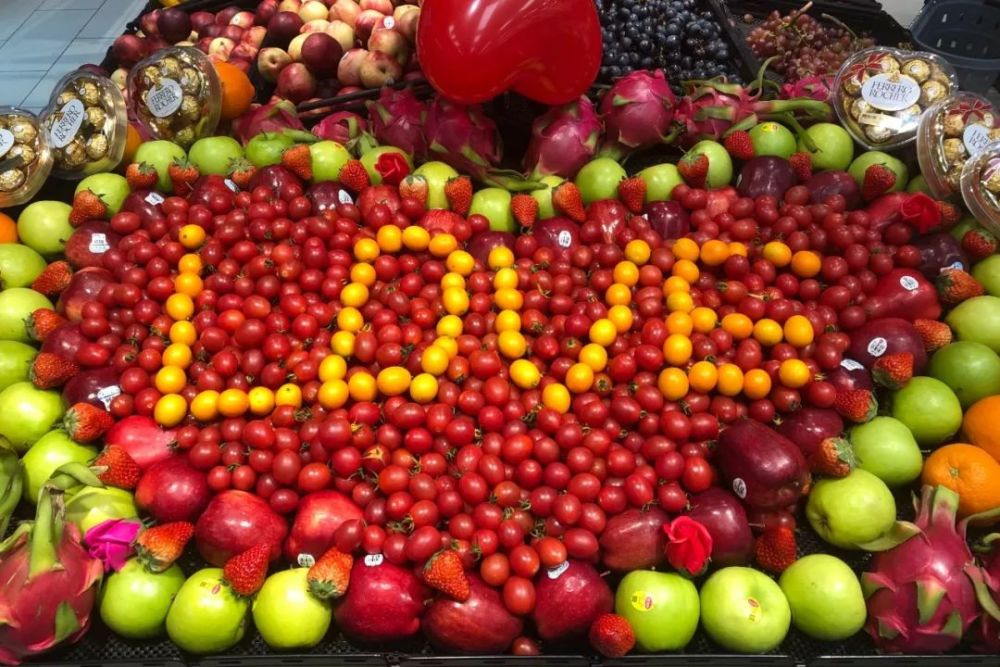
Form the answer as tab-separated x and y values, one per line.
66	622
929	596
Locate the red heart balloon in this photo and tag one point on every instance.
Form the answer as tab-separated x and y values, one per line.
473	50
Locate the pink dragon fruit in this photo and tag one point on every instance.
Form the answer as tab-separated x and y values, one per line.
921	594
638	112
814	87
563	139
50	582
397	119
987	580
344	127
278	116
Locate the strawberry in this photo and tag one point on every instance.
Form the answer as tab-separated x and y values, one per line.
121	470
566	199
632	192
329	576
857	405
979	243
693	169
834	458
50	370
802	165
158	547
775	549
141	176
241	171
87	206
950	214
611	635
444	572
935	333
85	422
354	176
525	209
739	145
414	187
956	285
893	371
878	180
246	572
458	192
53	279
42	322
298	160
182	174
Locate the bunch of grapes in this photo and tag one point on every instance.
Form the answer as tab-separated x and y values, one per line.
803	45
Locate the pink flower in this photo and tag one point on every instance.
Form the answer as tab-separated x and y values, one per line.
392	167
689	545
920	212
111	542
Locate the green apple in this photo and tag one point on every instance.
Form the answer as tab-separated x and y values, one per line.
328	158
825	597
661	607
44	227
160	154
661	179
987	271
494	203
19	265
48	453
15	362
371	157
964	225
265	149
970	369
206	616
287	615
544	196
134	601
918	184
772	138
744	610
720	164
93	505
867	159
929	408
977	319
850	512
437	174
111	188
834	147
16	304
28	413
885	447
599	179
214	155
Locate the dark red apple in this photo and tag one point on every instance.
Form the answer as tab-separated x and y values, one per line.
226	14
321	53
89	242
808	427
296	82
275	177
828	183
765	175
174	24
96	386
172	490
233	522
84	286
326	196
128	49
907	294
148	22
668	219
560	234
317	518
146	204
384	602
611	217
200	20
570	597
144	440
938	252
480	625
764	468
378	194
726	521
265	11
282	27
849	375
887	335
482	244
634	540
65	341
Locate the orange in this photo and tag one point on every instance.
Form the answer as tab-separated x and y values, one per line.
237	90
8	229
968	471
132	142
981	425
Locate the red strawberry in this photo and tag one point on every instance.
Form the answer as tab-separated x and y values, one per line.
182	174
525	209
878	180
241	171
935	333
893	371
42	322
566	199
775	549
979	243
329	576
87	206
121	469
414	187
85	422
458	192
445	572
158	547
53	279
354	176
857	405
950	214
834	458
694	169
632	192
957	285
298	160
739	145
802	165
50	370
246	572
611	635
141	176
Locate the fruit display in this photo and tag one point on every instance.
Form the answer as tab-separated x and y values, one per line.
27	159
397	383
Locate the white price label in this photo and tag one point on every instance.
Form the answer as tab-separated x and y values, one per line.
155	198
740	487
6	142
106	394
890	92
99	244
389	23
564	239
851	365
70	118
374	560
344	197
231	184
306	560
878	346
556	572
909	283
164	98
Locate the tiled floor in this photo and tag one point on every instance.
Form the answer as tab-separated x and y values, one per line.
41	40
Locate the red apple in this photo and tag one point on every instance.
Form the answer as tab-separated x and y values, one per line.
233	522
265	12
96	386
381	6
283	27
349	68
226	14
140	203
174	24
243	52
407	17
271	61
321	54
129	49
390	42
88	243
254	36
200	20
316	25
233	32
343	33
345	10
384	602
172	490
296	83
221	47
65	341
210	31
318	517
366	21
147	22
143	439
634	540
379	69
480	625
243	19
570	597
84	286
723	516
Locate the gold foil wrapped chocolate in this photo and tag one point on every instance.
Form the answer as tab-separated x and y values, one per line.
23	130
11	179
917	69
932	91
24	151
